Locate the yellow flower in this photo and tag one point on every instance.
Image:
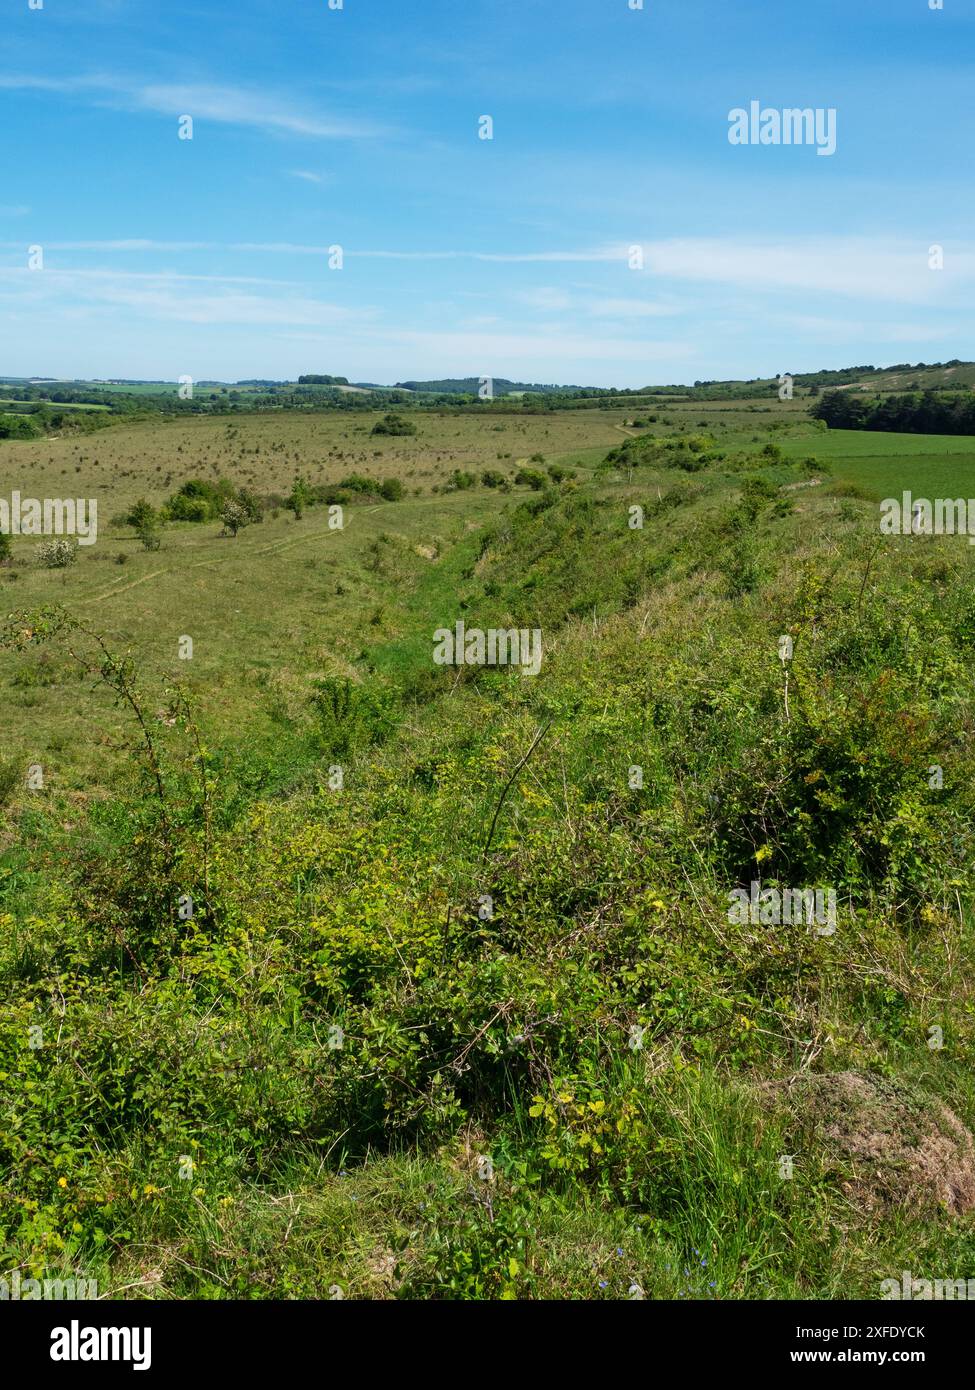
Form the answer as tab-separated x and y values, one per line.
62	1182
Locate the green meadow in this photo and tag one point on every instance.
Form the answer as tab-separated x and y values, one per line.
885	465
331	972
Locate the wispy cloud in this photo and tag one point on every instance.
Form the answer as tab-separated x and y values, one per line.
813	326
66	275
860	267
501	257
308	176
864	268
170	296
474	353
546	298
241	106
630	309
122	244
238	106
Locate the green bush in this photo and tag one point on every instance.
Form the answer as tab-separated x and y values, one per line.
198	500
183	508
394	424
530	477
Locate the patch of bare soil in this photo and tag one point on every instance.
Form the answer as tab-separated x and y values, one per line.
894	1143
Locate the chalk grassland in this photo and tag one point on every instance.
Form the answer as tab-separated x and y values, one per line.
263	451
477	1025
925	378
283	602
287	602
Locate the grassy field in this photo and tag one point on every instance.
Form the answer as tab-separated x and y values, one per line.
459	1009
268	611
927	465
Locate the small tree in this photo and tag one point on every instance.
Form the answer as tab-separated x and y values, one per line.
56	555
143	514
233	517
6	549
460	481
251	505
298	499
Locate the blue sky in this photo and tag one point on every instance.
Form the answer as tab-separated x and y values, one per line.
510	257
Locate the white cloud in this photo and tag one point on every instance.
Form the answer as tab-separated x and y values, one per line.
129	244
630	308
237	106
854	330
66	276
546	298
170	296
861	267
203	101
478	354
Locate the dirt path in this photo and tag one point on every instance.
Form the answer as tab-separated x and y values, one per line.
110	593
272	549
